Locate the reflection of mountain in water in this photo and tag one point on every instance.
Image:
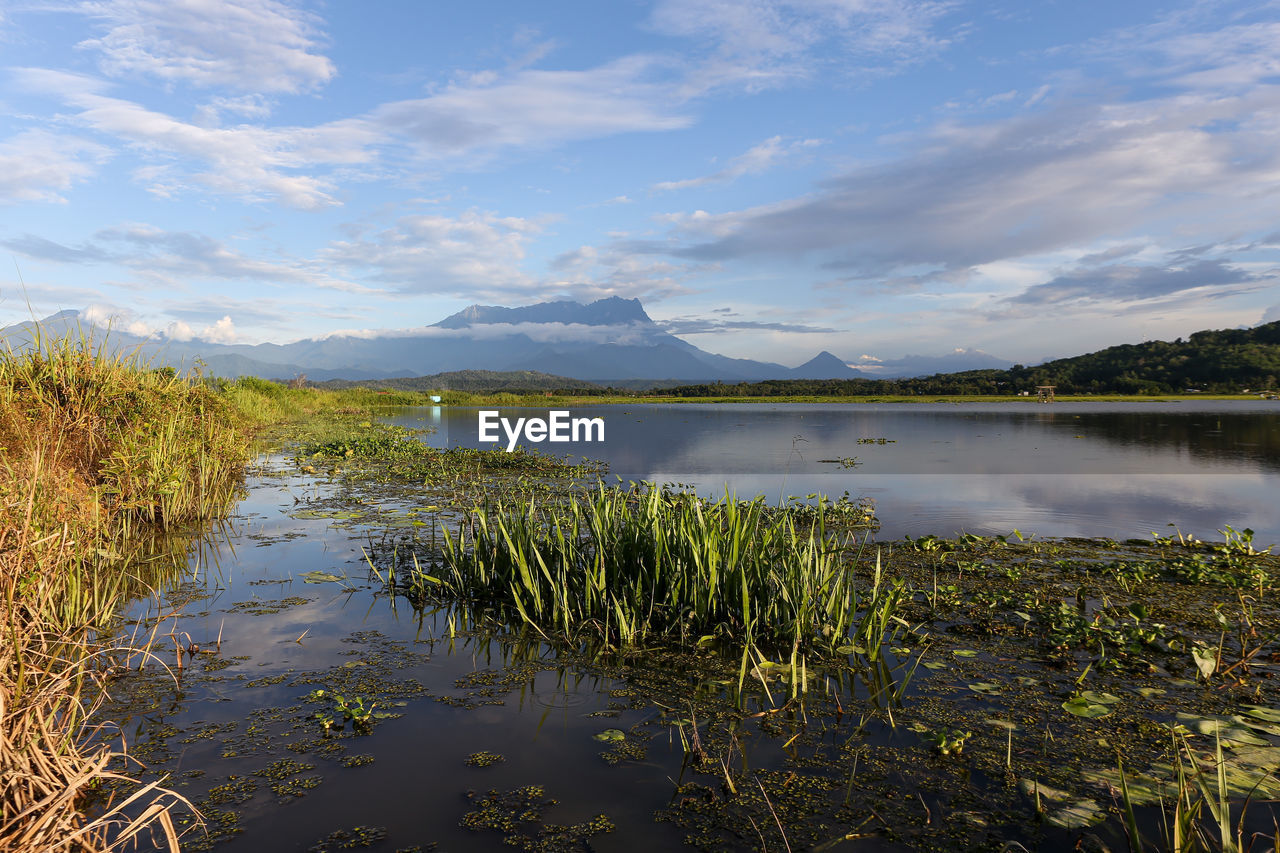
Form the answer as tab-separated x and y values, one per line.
953	439
1117	470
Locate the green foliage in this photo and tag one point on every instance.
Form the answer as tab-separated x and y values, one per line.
633	563
1221	362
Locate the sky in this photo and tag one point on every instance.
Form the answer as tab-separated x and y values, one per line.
771	178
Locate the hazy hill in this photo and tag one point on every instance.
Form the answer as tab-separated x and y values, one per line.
1223	361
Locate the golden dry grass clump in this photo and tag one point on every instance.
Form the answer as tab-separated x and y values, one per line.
95	449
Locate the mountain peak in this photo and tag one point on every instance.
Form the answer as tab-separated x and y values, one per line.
613	311
824	365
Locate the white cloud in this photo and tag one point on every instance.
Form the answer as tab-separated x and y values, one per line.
171	257
546	333
472	253
759	43
247	161
755	160
589	272
36	165
221	332
1068	175
248	45
297	165
535	108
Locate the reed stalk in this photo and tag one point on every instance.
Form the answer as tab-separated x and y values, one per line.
642	562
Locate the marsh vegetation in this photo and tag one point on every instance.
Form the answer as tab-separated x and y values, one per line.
393	646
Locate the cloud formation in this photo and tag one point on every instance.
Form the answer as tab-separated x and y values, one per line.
1087	165
759	158
696	326
1126	283
473	253
761	43
247	45
37	165
168	258
486	112
256	163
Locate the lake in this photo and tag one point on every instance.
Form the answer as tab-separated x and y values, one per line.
483	736
1062	469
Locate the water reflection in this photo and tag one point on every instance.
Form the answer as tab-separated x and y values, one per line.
1070	469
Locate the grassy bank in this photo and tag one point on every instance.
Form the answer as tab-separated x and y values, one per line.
99	454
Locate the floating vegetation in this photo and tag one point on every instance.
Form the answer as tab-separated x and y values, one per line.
517	815
484	759
766	741
349	839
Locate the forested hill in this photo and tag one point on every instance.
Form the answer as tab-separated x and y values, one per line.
477	381
1226	361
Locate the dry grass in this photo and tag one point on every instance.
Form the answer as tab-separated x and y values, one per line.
94	449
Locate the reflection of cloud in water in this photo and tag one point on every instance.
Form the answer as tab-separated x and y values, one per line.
1117	469
1056	505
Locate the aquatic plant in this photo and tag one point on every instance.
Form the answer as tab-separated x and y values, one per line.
630	563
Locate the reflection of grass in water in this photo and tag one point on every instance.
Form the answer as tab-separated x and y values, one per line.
98	454
825	759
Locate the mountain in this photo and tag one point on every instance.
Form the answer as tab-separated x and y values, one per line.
955	361
613	311
824	365
609	340
482	381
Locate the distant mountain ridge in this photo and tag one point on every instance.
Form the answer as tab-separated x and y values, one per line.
609	340
613	311
480	381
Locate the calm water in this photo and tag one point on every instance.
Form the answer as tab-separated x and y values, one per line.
223	727
1065	469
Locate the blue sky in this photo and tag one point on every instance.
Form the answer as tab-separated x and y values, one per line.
770	177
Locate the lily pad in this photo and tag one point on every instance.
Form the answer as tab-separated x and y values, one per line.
1078	815
1149	692
1082	707
322	577
610	736
987	688
1100	698
964	653
1068	815
1271	715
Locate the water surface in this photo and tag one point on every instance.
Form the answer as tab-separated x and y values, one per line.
1063	469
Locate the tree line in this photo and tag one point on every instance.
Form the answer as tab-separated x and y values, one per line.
1226	361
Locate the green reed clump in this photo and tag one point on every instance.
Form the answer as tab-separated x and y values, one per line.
634	563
